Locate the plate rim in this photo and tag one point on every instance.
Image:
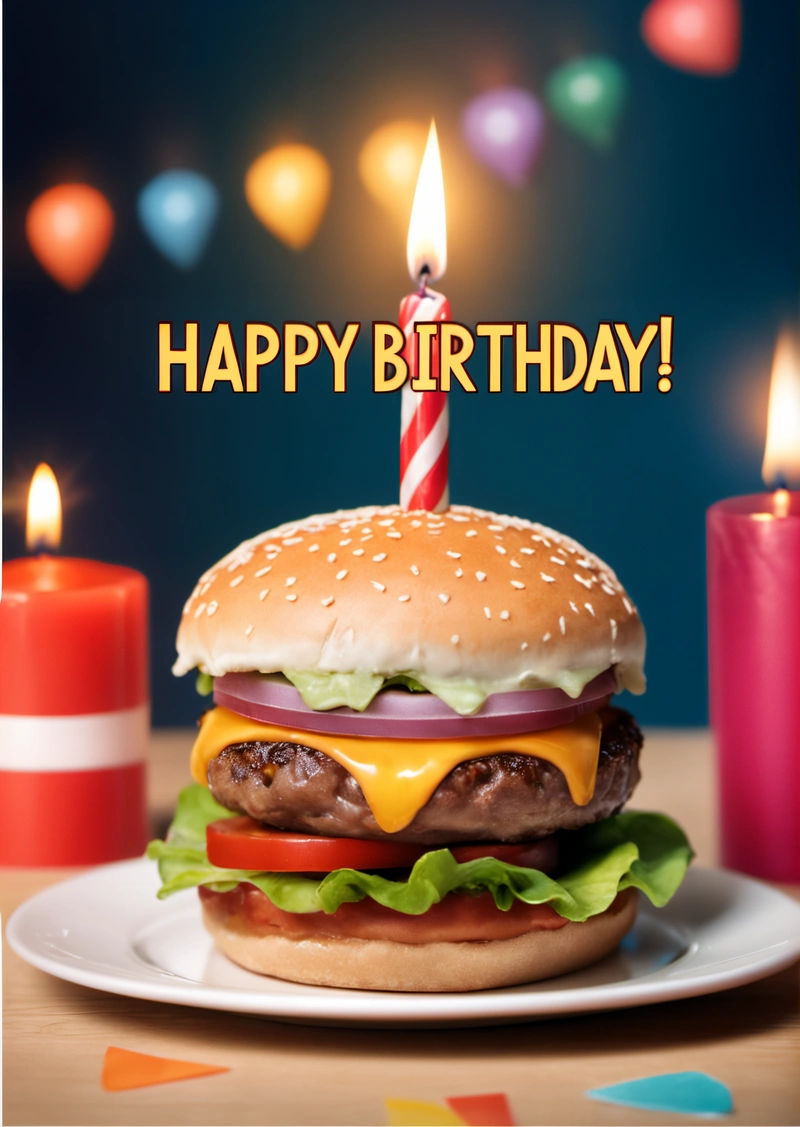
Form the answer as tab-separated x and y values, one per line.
356	1007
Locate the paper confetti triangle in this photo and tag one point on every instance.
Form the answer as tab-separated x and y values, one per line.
421	1113
483	1111
123	1069
689	1093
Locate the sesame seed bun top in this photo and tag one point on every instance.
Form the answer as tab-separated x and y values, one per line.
462	595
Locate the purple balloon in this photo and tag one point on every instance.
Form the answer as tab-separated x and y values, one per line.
504	129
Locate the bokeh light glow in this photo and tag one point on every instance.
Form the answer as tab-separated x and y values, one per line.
700	36
69	229
504	130
588	96
288	189
178	210
389	164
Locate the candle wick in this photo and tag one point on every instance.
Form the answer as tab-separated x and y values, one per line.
779	482
424	274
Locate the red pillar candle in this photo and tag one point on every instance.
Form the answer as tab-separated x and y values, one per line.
74	712
754	664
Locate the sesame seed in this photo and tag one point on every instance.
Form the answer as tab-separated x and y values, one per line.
458	517
558	560
546	637
499	548
248	630
378	586
459	572
435	524
586	582
547	578
627	605
584	563
515	563
186	605
608	590
472	532
205	587
263	571
454	639
590	608
331	557
487	612
528	551
480	576
574	607
524	646
516	583
454	555
386	523
444	598
292	540
327	602
314	548
416	524
495	527
291	598
403	598
212	606
434	532
263	594
235	582
395	535
273	556
381	556
358	551
341	574
613	626
290	582
200	610
562	622
414	569
504	614
344	543
541	540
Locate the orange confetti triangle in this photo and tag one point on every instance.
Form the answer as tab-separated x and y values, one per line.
123	1069
483	1111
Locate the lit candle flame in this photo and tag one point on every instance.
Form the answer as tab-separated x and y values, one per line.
782	452
43	526
427	230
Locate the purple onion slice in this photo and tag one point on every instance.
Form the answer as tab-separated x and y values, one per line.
399	714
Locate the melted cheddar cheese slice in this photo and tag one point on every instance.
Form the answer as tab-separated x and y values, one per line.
399	776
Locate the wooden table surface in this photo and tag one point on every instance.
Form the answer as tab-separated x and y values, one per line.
55	1034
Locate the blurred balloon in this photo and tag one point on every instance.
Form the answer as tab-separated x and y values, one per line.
504	129
288	188
588	96
69	230
703	36
177	210
389	164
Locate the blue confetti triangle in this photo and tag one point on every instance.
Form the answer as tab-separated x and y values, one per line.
688	1093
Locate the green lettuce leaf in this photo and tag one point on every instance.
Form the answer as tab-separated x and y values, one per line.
631	850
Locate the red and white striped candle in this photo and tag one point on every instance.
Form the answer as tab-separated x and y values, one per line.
424	420
74	712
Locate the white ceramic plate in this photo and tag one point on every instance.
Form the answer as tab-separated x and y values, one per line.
105	929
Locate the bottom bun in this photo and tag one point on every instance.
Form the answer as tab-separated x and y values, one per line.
378	964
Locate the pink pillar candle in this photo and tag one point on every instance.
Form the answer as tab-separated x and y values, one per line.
754	666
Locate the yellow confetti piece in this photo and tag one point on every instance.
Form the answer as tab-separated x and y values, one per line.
421	1113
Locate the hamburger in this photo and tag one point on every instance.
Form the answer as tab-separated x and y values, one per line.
412	777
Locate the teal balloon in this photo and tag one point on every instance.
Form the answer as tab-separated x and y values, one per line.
588	96
178	210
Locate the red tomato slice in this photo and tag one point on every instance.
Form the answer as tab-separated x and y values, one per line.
243	843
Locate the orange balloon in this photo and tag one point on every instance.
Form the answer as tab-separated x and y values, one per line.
69	229
287	189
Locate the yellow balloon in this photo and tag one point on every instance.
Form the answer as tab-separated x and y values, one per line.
288	189
389	164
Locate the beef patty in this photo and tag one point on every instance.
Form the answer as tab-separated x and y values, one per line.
500	797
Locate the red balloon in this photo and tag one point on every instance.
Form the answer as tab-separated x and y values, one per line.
702	36
69	229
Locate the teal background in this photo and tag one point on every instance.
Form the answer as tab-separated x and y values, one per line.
692	213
